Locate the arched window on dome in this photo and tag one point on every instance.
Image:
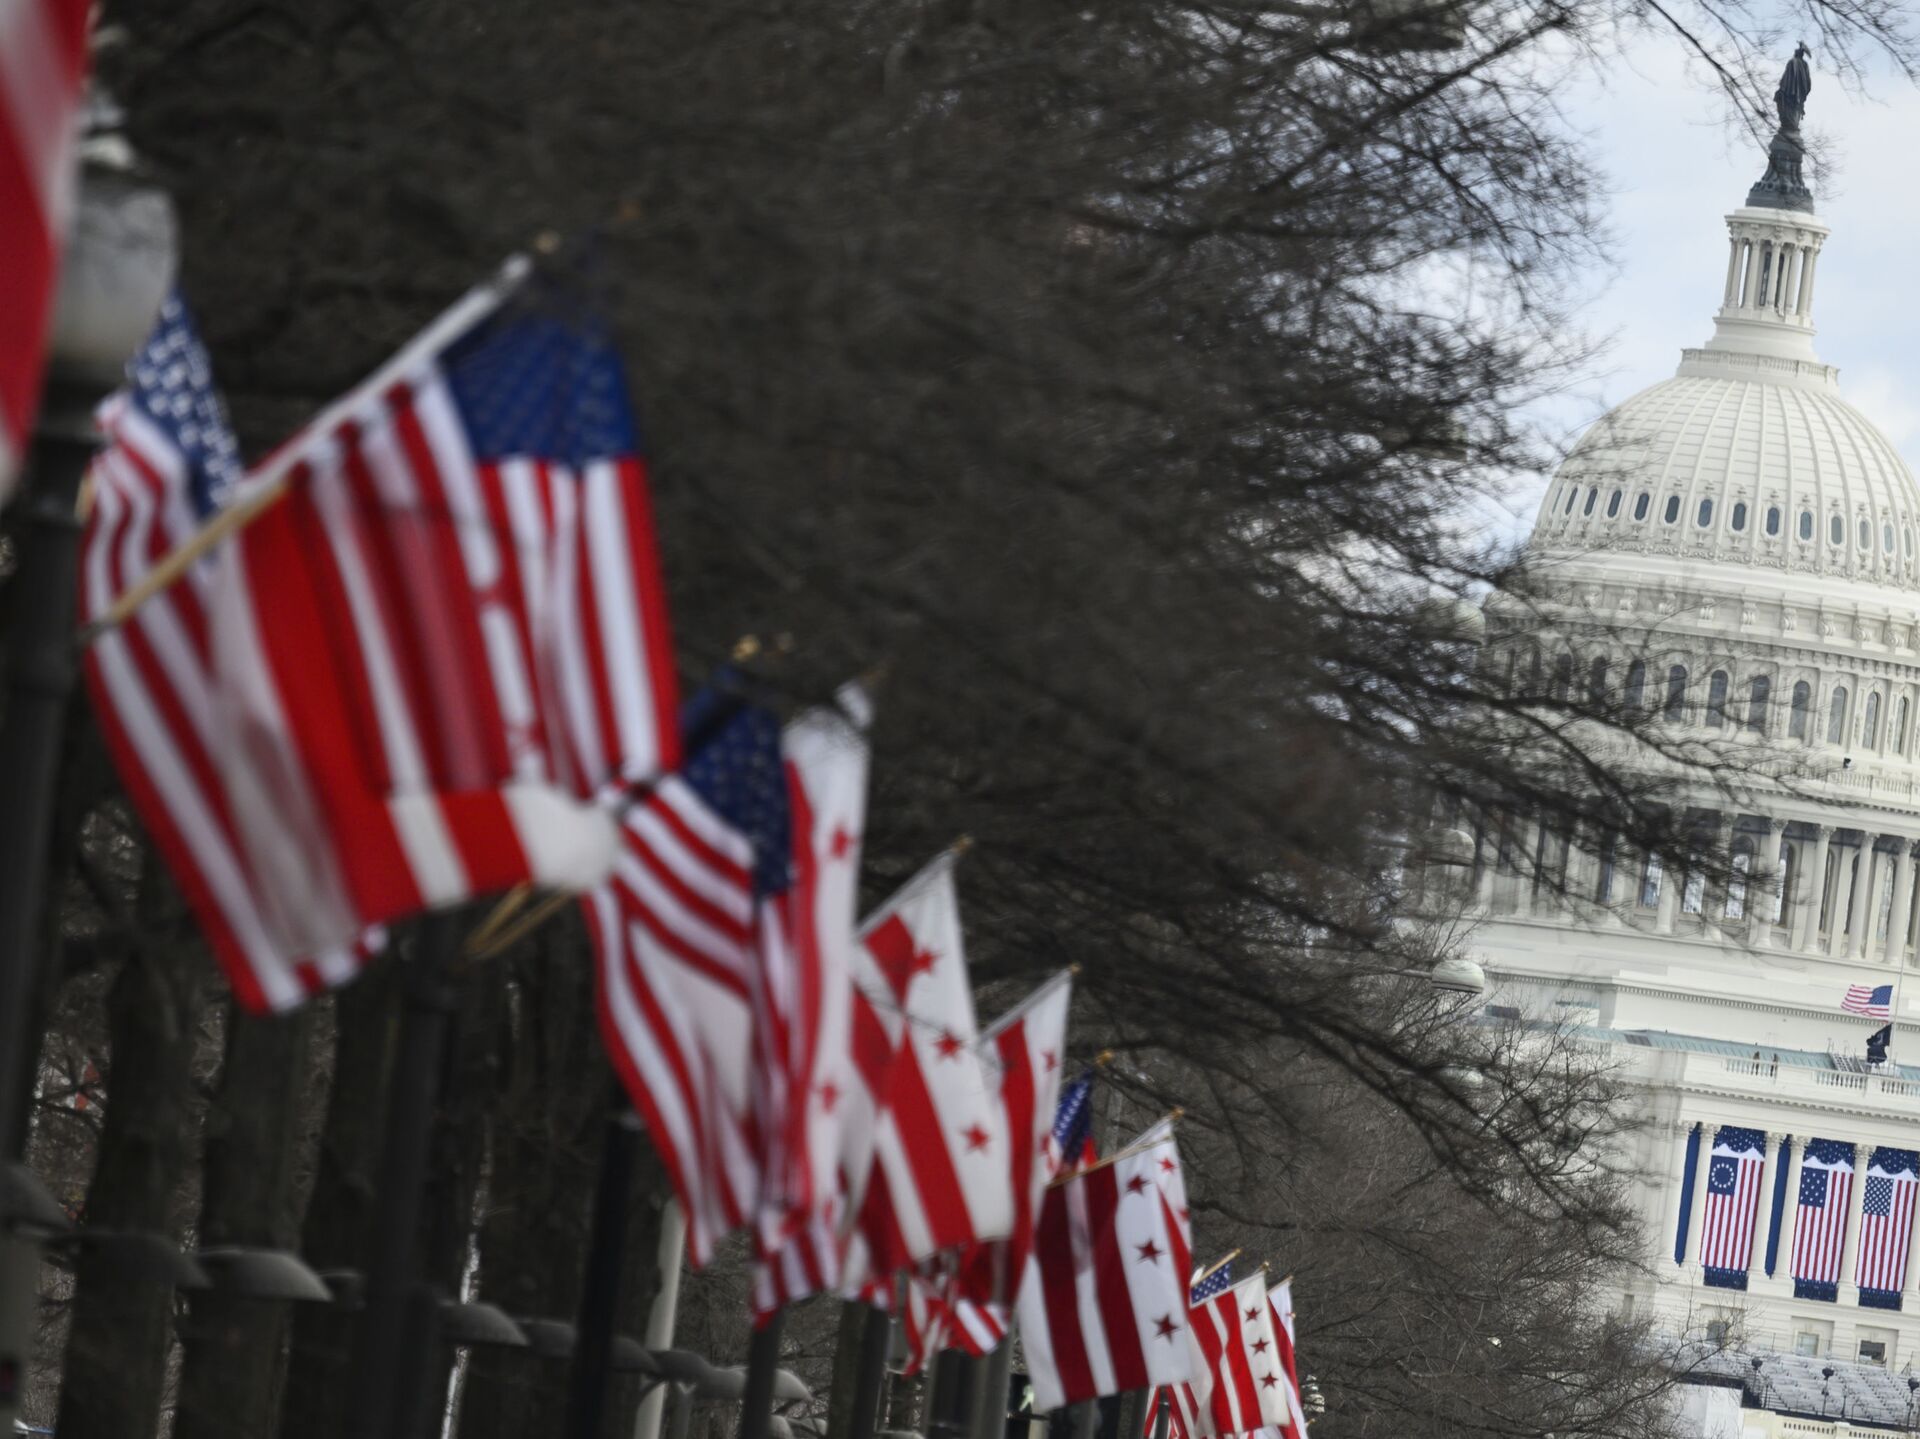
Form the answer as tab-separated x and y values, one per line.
1739	517
1676	708
1573	493
1837	717
1672	516
1806	524
1897	735
1758	692
1705	514
1802	703
1613	504
1597	684
1593	496
1870	724
1866	533
1836	530
1886	537
1562	678
1534	669
1773	521
1717	699
1641	506
1906	540
1636	691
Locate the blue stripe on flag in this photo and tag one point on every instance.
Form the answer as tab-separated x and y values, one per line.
1690	1168
1781	1164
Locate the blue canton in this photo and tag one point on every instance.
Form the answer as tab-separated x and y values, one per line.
1073	1118
1218	1282
170	381
1813	1188
740	772
1879	1196
529	384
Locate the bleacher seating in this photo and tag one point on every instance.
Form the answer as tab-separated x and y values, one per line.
1794	1384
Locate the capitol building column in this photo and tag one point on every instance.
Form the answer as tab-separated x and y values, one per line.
1763	907
1902	903
1812	887
1859	913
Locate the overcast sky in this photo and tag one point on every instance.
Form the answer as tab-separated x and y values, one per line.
1675	170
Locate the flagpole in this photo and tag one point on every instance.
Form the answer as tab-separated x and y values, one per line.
386	1351
876	1339
763	1361
990	1419
600	1287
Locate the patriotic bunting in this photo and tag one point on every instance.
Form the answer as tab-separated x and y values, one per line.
1733	1202
1886	1226
1820	1219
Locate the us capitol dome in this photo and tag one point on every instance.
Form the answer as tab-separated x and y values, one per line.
1735	549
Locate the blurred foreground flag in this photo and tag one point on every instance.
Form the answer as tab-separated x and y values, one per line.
438	646
43	64
169	464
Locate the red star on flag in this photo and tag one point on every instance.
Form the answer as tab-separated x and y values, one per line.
1149	1251
1052	1059
976	1137
1164	1327
829	1096
949	1045
841	843
1259	1346
1267	1381
1137	1184
1252	1314
923	960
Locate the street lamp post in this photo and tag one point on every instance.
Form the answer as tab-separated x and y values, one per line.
117	268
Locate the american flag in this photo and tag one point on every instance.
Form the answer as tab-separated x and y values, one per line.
1875	1001
170	462
1070	1142
1820	1218
1217	1280
43	66
673	931
1886	1225
1733	1199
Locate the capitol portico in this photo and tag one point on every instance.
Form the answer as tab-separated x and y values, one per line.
1733	550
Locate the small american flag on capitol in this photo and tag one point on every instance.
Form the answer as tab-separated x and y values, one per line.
1875	1001
1886	1226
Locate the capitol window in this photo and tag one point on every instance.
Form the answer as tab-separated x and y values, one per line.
1613	504
1676	692
1597	683
1897	736
1836	530
1802	703
1773	520
1636	694
1641	505
1870	727
1736	905
1758	693
1717	699
1837	717
1806	524
1866	533
1593	494
1650	882
1906	539
1573	493
1739	517
1705	517
1673	509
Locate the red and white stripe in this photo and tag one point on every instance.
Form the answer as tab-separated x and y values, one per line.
1885	1238
1104	1307
152	684
1820	1231
1239	1380
672	931
803	1004
940	1157
1280	1302
1726	1240
43	67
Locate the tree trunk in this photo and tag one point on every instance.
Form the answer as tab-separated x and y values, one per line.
235	1349
121	1337
335	1232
